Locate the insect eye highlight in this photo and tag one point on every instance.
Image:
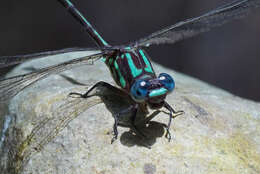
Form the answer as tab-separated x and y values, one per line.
142	83
139	90
162	78
167	81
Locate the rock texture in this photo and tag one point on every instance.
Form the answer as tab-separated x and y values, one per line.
45	131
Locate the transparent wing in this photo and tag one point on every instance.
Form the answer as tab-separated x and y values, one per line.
50	126
7	61
204	23
9	87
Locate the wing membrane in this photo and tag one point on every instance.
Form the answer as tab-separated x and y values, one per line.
7	61
9	87
50	126
204	23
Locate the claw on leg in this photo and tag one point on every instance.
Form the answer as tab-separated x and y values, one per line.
173	114
115	132
75	95
168	134
113	139
177	113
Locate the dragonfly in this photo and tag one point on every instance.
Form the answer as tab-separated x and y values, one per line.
129	64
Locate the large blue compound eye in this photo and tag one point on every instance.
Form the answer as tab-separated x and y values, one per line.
139	90
167	81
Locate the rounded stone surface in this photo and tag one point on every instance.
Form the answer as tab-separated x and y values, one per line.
49	132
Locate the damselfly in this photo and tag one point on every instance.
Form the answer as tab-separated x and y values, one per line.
129	64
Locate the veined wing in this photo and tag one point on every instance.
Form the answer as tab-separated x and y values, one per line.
9	87
204	23
7	61
47	128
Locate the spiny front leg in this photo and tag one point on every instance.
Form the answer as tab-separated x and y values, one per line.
115	91
173	114
97	85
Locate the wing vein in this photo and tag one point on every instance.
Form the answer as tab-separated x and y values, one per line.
197	25
9	87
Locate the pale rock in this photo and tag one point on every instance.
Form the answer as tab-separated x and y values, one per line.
219	132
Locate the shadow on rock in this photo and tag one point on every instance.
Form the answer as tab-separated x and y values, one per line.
117	100
151	130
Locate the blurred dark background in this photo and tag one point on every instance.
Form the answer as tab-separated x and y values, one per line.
227	57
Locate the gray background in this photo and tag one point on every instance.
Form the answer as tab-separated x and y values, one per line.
228	57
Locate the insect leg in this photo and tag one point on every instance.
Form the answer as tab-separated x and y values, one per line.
173	114
97	85
132	109
133	122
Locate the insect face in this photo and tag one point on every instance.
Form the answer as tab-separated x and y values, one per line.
152	90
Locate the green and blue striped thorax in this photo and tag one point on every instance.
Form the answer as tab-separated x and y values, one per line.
133	72
128	65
